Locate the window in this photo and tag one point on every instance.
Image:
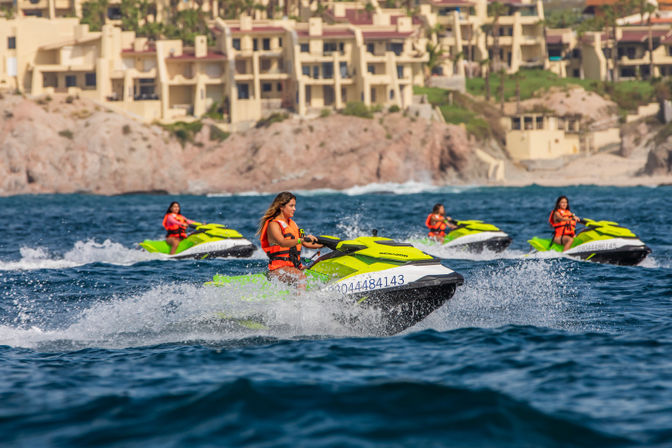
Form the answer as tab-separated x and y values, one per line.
370	48
515	123
114	13
305	70
304	48
266	44
343	67
255	45
90	79
70	81
400	71
528	123
327	70
316	71
279	41
396	48
11	43
243	91
236	44
391	94
328	47
341	47
279	87
267	87
373	95
540	122
371	69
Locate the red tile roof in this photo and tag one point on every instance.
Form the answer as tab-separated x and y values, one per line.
259	29
452	3
375	35
188	55
641	35
344	32
554	39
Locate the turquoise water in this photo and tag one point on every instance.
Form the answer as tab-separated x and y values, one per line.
102	344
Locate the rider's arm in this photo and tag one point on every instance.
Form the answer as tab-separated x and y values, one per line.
275	236
310	244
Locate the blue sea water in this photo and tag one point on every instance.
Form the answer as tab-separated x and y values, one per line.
102	344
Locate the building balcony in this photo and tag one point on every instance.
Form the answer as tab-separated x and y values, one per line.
181	80
273	75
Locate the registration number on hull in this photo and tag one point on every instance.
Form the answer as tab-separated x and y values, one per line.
369	284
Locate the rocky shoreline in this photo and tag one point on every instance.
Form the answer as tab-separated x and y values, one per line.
66	145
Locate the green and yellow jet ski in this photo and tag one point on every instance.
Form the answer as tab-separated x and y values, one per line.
401	282
601	242
474	236
206	241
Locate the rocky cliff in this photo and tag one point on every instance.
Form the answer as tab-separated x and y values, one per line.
65	145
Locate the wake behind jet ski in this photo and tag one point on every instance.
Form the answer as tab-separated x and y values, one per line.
402	282
601	242
206	241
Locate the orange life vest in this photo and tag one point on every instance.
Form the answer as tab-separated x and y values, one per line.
281	256
563	228
174	230
438	229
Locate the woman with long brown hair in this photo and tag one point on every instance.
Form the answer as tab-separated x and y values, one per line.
563	221
281	239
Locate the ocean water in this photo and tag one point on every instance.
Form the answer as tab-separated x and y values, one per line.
102	344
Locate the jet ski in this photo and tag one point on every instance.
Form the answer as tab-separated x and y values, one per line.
601	242
474	236
401	282
206	241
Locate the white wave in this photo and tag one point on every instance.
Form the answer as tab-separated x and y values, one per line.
410	187
525	293
441	251
83	252
173	313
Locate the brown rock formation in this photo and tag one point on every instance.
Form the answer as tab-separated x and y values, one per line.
659	160
65	146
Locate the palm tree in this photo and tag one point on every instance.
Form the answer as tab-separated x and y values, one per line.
502	76
484	63
517	77
611	14
496	10
435	53
650	9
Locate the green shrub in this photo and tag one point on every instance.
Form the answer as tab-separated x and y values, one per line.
126	129
324	113
67	133
184	131
69	99
357	109
275	117
217	134
394	108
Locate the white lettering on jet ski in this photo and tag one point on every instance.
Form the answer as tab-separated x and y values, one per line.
368	285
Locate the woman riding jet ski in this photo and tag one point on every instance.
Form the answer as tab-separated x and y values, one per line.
471	235
600	241
207	241
403	283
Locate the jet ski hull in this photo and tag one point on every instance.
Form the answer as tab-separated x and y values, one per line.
401	283
207	241
404	307
481	242
624	256
618	251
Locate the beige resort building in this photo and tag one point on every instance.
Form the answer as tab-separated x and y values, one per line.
255	68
